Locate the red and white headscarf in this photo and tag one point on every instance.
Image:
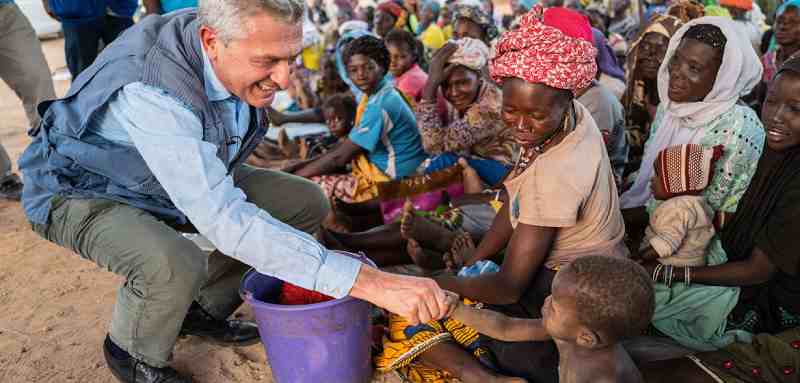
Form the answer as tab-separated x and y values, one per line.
551	49
686	169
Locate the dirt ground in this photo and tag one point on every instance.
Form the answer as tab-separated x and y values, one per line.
55	307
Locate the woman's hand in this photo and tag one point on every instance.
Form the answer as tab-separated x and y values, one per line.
439	61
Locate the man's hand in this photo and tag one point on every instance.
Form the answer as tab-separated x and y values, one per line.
418	300
452	301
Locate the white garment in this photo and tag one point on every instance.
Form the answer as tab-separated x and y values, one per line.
680	230
682	123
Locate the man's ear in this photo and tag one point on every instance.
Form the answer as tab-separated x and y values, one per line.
588	338
210	41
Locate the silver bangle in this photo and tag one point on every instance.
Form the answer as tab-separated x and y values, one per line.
687	276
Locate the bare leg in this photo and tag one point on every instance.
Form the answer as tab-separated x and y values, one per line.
425	259
460	363
428	234
472	181
363	215
387	236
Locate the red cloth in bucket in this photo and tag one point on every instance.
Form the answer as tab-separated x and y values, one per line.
295	295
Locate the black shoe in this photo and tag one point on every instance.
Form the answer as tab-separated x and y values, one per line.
131	370
200	323
11	189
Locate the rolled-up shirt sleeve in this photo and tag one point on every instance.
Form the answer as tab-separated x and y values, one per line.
169	138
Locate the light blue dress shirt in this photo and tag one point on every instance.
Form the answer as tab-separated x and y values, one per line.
169	138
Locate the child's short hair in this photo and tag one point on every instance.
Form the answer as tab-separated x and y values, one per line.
614	295
399	37
343	103
686	169
369	46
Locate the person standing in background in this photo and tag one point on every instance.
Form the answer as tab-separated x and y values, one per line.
160	7
24	68
85	23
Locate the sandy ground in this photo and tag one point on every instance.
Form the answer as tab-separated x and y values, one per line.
55	307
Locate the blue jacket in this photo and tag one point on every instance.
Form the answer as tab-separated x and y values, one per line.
66	160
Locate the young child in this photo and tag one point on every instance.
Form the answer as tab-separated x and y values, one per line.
682	226
596	302
339	111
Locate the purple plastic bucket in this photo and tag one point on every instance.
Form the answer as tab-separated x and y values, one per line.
322	342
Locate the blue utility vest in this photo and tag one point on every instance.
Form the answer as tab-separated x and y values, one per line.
65	159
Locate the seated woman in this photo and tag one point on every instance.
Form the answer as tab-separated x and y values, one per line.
404	58
786	42
610	74
430	33
390	15
709	68
473	128
606	110
761	241
472	21
641	99
384	143
562	205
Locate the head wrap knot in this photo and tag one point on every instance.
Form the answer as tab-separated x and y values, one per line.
471	53
559	56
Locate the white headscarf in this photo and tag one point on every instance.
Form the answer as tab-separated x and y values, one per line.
682	123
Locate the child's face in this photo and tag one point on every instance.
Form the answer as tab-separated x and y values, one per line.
657	187
337	124
401	58
560	310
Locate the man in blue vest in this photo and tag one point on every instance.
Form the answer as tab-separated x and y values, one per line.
150	141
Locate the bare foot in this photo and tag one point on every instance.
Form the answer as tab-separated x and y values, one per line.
461	249
422	258
472	181
428	234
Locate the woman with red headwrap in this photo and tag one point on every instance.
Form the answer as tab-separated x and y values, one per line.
390	15
561	201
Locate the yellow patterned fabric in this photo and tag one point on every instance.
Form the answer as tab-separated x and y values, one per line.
405	343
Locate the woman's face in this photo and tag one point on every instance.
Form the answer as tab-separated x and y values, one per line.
693	71
384	22
461	87
401	58
467	28
781	112
787	27
533	111
651	52
428	15
365	73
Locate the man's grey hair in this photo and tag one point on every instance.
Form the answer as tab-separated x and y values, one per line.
228	17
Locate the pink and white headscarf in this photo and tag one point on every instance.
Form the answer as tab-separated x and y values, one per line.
555	50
